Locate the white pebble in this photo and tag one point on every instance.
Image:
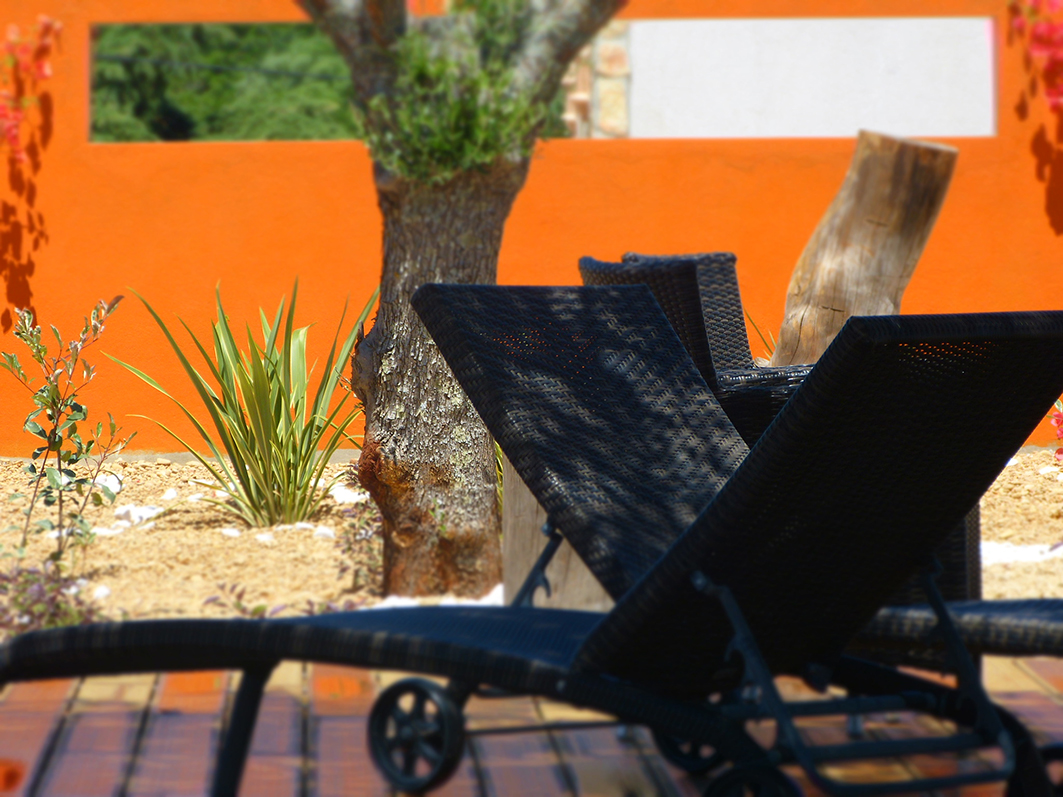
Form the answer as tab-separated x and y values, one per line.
110	481
169	495
996	553
136	514
345	495
396	602
265	537
492	598
101	592
302	525
195	496
1048	469
220	494
1012	461
229	532
324	533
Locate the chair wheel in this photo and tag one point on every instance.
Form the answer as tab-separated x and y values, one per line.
416	735
752	780
690	756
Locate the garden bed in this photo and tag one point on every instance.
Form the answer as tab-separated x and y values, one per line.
174	563
169	565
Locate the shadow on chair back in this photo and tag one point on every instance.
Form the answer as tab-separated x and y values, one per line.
706	285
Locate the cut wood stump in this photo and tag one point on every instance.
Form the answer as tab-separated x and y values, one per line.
862	255
572	584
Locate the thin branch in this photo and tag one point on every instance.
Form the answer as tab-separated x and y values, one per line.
561	29
362	31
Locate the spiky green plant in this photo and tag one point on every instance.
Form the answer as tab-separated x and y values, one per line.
271	440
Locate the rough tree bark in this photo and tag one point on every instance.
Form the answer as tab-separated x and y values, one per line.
428	461
863	252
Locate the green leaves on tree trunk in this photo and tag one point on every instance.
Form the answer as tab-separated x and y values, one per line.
453	107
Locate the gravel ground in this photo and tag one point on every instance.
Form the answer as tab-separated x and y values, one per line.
1025	507
170	565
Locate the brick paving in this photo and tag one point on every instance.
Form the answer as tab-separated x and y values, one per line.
155	735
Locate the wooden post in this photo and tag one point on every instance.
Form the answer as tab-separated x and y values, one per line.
862	255
572	585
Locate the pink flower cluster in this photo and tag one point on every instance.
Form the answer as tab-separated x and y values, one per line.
25	64
1056	419
1045	44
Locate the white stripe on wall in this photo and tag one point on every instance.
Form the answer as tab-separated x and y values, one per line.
823	77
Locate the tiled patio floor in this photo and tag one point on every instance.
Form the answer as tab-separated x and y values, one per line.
155	735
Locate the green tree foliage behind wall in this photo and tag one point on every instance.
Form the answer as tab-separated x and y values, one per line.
218	82
223	83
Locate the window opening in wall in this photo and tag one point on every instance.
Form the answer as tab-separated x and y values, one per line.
218	83
226	82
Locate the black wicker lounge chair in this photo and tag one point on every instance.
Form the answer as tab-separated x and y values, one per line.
699	294
781	567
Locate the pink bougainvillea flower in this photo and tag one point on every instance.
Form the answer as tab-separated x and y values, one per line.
1018	23
26	65
1052	77
24	54
1046	39
1054	6
1059	455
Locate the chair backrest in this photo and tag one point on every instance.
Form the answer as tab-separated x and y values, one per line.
598	407
895	434
698	293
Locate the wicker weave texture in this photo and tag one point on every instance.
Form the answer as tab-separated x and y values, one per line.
673	289
721	302
519	649
597	406
860	477
699	294
1001	628
753	396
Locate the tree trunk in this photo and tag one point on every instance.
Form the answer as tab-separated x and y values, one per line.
862	255
428	461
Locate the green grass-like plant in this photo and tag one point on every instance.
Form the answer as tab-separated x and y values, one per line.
271	439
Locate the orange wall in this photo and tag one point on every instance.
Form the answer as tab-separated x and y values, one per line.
172	220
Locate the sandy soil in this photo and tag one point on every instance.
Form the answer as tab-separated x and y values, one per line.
1025	507
172	564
